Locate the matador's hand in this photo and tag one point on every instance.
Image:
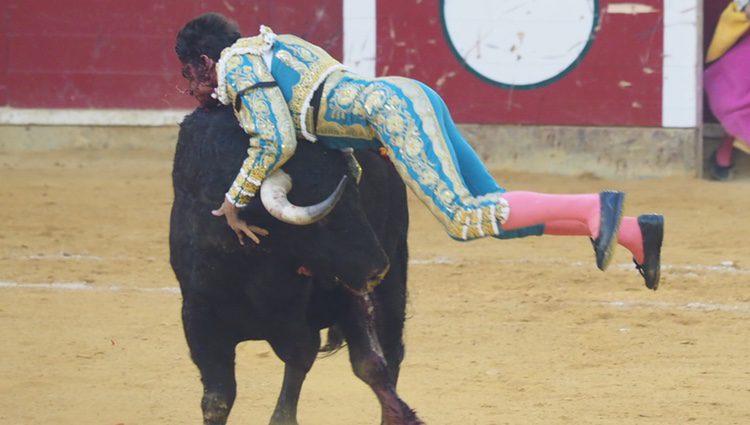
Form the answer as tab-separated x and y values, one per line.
239	227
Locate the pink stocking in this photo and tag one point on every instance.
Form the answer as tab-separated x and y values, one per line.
724	152
531	208
629	236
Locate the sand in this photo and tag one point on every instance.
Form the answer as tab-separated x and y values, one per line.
498	332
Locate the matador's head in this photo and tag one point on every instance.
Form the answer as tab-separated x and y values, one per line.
198	46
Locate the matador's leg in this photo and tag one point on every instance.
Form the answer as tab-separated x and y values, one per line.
400	114
476	176
405	121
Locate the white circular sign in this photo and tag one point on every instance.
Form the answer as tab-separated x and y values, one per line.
520	43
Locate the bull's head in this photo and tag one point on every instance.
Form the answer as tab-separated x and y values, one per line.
332	238
331	235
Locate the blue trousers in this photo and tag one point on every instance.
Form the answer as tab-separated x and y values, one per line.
413	124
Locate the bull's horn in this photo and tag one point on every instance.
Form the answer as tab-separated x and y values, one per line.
273	194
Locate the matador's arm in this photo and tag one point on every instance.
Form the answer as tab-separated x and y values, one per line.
264	115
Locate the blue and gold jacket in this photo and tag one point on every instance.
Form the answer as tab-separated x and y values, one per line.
270	80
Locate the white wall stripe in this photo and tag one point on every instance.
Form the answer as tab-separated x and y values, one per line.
360	36
630	8
681	65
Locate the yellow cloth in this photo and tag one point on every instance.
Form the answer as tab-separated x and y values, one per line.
732	25
741	146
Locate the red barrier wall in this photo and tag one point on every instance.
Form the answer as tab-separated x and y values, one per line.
625	49
120	54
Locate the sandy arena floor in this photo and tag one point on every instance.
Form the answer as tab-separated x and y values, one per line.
514	332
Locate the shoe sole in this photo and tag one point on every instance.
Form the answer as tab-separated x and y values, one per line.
616	205
652	229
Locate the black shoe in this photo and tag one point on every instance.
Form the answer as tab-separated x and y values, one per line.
652	231
718	172
610	215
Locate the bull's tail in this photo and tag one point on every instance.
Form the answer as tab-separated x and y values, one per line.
335	341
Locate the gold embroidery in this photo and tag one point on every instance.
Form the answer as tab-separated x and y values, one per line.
256	43
312	63
341	100
263	113
292	62
396	123
393	109
398	112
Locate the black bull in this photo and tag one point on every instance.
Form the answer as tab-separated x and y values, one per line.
233	293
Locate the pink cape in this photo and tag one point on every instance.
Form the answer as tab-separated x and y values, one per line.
727	85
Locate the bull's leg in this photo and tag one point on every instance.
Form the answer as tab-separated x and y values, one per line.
370	365
391	313
213	352
297	348
285	412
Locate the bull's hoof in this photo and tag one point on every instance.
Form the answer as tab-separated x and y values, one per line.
283	419
283	422
406	417
215	409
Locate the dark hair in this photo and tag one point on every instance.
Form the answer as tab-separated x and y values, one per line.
207	35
